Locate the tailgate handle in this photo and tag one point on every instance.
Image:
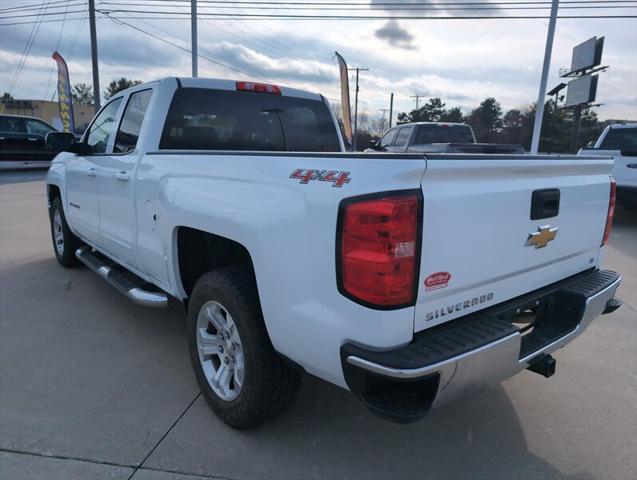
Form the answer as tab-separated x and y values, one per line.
545	203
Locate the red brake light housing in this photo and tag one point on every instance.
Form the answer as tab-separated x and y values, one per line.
258	88
611	210
378	248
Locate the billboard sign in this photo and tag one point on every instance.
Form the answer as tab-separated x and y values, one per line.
587	54
581	90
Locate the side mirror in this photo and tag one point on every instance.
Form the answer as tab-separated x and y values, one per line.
65	142
378	147
59	141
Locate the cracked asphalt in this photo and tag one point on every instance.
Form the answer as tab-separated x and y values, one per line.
93	386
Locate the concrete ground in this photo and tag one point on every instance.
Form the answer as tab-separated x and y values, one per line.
93	386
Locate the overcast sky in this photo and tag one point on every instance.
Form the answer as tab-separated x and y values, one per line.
461	61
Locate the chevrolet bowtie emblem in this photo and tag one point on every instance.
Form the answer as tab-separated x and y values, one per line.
542	237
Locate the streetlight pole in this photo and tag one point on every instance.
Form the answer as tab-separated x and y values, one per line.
193	31
96	73
539	109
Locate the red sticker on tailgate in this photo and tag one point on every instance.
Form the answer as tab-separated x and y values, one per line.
437	280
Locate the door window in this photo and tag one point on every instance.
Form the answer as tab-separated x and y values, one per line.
102	127
128	133
12	125
388	139
36	127
403	136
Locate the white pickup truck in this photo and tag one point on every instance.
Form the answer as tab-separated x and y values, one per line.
409	279
620	142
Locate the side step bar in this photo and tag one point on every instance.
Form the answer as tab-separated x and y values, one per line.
129	285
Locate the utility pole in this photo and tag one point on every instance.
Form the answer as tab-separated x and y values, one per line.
539	109
381	124
577	121
96	73
417	97
391	108
358	70
193	32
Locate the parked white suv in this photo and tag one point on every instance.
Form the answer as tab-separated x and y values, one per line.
409	279
620	142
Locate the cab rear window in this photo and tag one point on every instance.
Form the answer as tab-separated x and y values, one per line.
443	134
207	119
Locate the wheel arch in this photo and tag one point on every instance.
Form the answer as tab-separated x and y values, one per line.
198	252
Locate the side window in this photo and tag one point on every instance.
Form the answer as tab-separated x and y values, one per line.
132	119
388	138
36	127
101	128
12	125
403	136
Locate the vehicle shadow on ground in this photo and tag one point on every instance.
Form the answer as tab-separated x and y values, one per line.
118	407
329	434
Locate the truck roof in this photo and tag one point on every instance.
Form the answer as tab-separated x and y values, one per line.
223	84
622	125
434	123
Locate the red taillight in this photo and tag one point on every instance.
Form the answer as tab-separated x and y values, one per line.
379	249
611	210
258	87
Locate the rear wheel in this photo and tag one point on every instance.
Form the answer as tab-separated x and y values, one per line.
241	376
64	242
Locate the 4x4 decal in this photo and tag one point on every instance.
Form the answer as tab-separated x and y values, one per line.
336	177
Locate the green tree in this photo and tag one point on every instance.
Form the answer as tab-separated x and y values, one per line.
432	111
453	115
486	120
119	85
7	96
83	94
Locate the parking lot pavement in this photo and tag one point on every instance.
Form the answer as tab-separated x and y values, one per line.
93	386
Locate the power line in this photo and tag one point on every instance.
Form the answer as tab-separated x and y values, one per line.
57	48
434	7
32	22
376	5
35	6
223	16
45	14
251	16
27	48
120	21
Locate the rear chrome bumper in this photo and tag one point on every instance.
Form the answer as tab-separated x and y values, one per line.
474	352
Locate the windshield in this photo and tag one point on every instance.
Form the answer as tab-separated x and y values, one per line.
443	134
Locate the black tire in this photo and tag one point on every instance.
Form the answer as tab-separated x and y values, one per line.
66	257
269	386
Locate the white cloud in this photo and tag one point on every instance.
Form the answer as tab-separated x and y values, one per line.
460	61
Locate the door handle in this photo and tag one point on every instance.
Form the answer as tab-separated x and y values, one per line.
545	203
91	172
122	176
31	139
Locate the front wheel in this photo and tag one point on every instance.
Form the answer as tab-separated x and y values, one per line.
241	376
64	242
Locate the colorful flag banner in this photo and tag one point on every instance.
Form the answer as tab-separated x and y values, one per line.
64	94
345	104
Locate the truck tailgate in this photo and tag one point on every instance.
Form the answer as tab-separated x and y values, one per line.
477	224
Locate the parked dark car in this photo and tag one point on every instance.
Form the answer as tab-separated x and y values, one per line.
22	138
